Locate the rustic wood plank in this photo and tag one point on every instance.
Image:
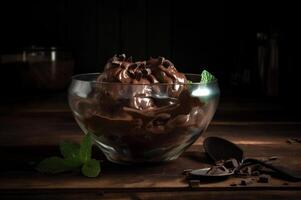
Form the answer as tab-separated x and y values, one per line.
32	132
18	174
89	195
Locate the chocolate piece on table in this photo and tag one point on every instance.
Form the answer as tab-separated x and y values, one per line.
186	171
231	163
264	178
255	173
245	182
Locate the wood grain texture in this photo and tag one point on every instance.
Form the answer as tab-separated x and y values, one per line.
17	174
210	195
31	131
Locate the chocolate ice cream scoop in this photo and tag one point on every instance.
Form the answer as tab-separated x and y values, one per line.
142	111
155	70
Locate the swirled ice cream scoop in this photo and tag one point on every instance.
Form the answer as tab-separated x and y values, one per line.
142	109
155	70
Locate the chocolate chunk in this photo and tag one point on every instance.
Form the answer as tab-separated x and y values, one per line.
146	72
161	60
167	63
186	171
255	173
231	163
233	184
272	158
294	140
249	171
264	178
256	167
247	181
289	141
220	163
217	170
297	140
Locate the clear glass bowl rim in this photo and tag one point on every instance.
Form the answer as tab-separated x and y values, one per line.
77	78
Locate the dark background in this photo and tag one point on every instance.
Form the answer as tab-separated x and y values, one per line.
221	36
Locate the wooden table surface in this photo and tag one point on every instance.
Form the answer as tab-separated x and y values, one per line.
32	130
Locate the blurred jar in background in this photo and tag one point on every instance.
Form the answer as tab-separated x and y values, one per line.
37	69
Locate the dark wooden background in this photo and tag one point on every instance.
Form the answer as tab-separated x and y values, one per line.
217	35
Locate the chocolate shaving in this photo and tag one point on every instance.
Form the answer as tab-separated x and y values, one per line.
231	164
217	170
186	171
247	181
293	140
264	178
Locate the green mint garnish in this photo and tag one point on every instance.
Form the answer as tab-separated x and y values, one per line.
85	149
53	165
69	149
73	163
75	157
206	77
91	168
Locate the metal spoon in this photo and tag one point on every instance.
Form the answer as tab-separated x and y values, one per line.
220	149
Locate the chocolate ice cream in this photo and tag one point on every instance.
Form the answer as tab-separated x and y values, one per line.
143	111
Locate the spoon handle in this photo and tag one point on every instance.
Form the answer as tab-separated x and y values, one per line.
280	170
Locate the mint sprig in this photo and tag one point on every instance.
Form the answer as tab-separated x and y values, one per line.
91	168
206	77
53	165
69	149
75	157
85	150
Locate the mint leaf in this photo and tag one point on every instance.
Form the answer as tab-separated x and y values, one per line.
206	77
69	149
91	168
76	157
52	165
85	149
73	163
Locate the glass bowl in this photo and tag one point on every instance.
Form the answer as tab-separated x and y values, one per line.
140	123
